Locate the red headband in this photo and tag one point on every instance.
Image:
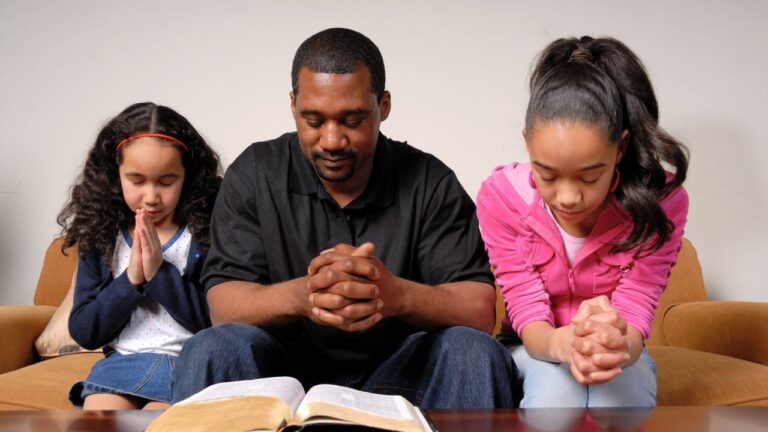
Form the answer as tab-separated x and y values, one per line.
155	135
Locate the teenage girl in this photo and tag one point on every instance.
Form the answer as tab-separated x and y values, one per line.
582	238
139	214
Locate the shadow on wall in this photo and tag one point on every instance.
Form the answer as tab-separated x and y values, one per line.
728	207
7	196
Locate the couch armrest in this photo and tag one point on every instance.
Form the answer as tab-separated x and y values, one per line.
735	329
21	325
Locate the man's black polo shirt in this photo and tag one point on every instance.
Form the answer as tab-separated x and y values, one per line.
273	216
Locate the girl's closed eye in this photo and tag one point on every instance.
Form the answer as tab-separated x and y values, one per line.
169	180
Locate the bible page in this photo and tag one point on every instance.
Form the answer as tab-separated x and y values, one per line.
287	389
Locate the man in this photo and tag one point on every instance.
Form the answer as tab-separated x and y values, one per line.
341	256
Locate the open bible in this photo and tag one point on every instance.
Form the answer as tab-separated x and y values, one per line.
280	404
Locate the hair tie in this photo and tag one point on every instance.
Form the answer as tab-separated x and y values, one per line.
154	135
581	55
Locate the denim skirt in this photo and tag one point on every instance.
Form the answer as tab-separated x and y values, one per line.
146	376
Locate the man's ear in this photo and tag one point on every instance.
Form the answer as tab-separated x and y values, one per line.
293	102
385	105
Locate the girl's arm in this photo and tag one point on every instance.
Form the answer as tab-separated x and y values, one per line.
597	345
182	296
506	239
544	342
102	305
637	294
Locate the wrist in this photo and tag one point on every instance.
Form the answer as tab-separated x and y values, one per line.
402	299
300	305
561	343
135	280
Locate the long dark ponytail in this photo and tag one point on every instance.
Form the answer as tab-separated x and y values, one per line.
601	81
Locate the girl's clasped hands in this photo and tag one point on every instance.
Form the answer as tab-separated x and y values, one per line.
601	345
146	252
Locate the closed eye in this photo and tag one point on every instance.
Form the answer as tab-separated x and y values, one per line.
352	123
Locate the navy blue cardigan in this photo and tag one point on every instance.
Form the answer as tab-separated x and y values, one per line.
103	305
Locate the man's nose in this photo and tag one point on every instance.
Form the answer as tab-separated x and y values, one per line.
332	138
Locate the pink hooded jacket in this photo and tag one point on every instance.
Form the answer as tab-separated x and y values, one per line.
528	257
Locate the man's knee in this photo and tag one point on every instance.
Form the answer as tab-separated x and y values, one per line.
468	345
228	338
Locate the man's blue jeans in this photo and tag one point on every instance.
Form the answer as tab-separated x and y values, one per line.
456	367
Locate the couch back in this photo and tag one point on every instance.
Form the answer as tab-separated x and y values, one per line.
686	283
56	274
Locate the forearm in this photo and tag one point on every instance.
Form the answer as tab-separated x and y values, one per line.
467	303
180	296
99	314
544	342
273	305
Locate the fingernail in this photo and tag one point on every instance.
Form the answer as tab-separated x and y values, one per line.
315	311
379	305
377	318
312	299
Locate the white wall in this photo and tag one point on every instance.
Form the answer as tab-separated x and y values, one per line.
457	71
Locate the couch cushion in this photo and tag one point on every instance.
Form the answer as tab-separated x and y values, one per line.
55	340
690	377
45	385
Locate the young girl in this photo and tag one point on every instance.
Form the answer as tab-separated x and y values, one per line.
139	213
582	238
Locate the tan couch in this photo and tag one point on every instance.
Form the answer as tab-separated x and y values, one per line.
707	353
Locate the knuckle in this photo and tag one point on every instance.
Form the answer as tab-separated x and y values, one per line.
349	288
328	275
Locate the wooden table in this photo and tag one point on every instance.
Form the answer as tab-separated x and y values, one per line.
674	419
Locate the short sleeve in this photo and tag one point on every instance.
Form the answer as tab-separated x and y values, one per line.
237	249
450	248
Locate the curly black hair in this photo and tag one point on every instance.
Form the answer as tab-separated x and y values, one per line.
96	209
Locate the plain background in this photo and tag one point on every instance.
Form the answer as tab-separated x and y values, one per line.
457	71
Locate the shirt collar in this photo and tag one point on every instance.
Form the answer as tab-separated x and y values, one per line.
379	192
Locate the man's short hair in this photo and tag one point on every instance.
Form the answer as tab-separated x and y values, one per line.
339	51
